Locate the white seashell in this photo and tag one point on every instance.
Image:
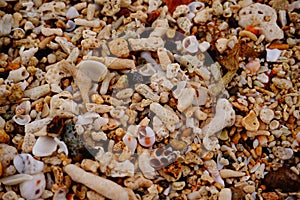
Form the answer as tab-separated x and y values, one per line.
178	90
190	44
273	55
25	163
97	71
18	74
15	179
44	146
23	108
72	13
70	25
22	119
130	142
62	147
144	165
146	136
33	189
196	6
203	46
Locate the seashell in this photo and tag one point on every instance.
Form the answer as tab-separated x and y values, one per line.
266	115
22	119
97	71
72	13
196	6
250	122
62	147
212	167
253	66
273	55
162	157
70	25
146	136
26	164
144	164
18	74
33	189
23	108
44	146
130	142
15	179
190	44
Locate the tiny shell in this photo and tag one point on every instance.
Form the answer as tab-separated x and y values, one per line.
97	71
22	119
190	44
62	147
130	142
33	189
273	55
25	163
146	136
70	25
23	108
253	66
72	13
15	179
44	146
283	153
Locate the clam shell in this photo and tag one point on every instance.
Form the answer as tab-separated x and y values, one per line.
22	119
146	136
25	163
44	146
190	44
15	179
33	189
94	69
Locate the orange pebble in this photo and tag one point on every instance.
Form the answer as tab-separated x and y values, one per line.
252	29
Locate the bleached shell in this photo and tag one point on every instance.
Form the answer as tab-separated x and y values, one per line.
22	119
130	142
23	108
144	165
15	179
25	163
62	147
94	69
18	74
146	137
196	6
122	169
250	121
44	146
72	13
33	189
273	55
190	44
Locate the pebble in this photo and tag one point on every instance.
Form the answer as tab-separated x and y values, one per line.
7	154
250	122
225	194
4	137
282	83
90	165
266	115
10	195
228	173
273	55
33	189
283	153
178	185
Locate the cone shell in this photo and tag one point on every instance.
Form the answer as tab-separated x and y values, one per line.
250	122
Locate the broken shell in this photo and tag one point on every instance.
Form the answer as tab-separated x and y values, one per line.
15	179
273	55
196	6
190	44
18	74
33	189
144	165
62	147
22	119
253	66
250	122
146	136
130	142
94	69
72	13
25	163
44	146
70	25
23	108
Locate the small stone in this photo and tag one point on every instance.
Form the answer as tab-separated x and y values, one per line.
178	185
273	55
225	194
119	47
249	189
266	115
250	122
90	165
282	83
283	153
10	195
4	137
221	44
